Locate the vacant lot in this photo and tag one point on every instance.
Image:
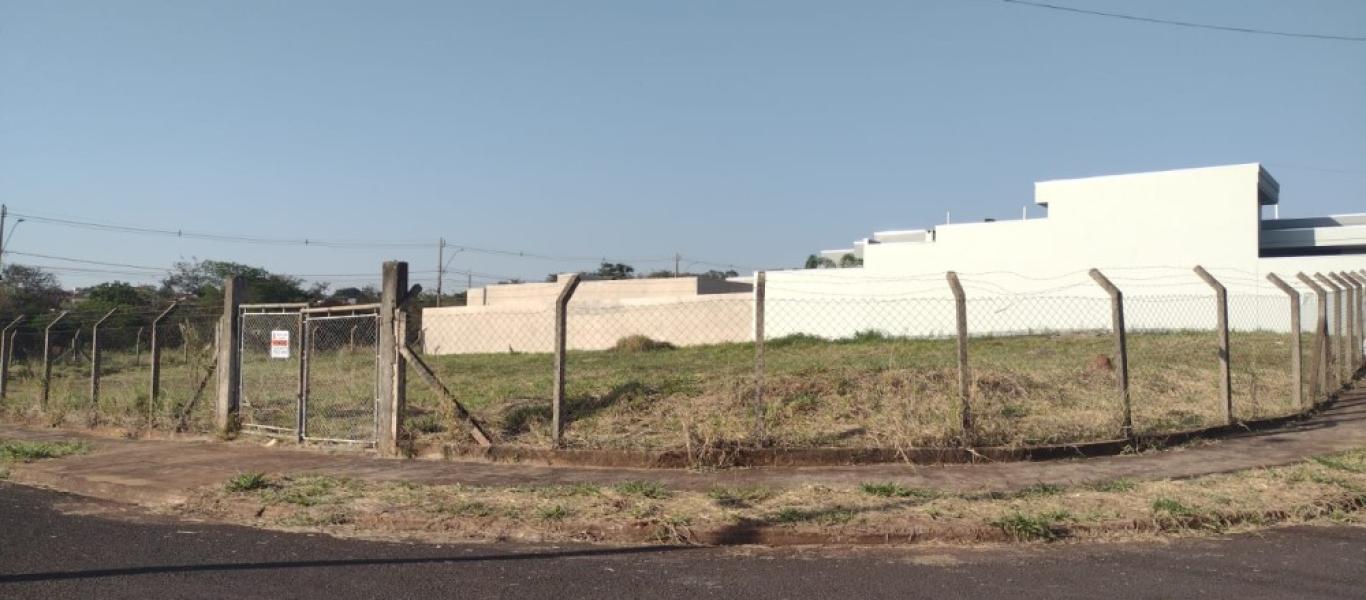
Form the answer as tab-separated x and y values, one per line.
867	391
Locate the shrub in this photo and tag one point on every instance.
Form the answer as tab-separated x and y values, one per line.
640	343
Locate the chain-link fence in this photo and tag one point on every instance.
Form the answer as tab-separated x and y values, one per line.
75	389
870	370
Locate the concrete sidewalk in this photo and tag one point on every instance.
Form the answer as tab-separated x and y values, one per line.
161	472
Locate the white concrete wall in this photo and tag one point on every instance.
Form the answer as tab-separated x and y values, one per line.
592	325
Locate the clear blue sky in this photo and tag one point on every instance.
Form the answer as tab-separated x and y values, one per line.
750	133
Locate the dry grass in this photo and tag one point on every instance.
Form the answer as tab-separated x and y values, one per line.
1327	488
870	391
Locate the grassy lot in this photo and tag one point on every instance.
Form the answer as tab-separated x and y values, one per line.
1330	488
124	391
861	392
868	391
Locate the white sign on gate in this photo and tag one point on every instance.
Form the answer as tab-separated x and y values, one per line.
279	343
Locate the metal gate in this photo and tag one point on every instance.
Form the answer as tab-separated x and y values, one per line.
338	396
310	373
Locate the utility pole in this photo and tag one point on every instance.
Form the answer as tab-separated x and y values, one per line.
4	210
440	267
677	258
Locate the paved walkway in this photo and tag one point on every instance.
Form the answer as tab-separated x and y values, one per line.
152	472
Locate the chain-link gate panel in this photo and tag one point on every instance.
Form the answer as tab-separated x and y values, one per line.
341	362
270	372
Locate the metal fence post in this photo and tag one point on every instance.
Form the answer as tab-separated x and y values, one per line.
1320	355
1121	349
1336	352
95	359
960	316
1221	323
561	338
760	301
154	383
229	398
392	386
47	357
6	351
1296	349
301	407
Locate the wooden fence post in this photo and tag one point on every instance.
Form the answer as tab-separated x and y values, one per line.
154	382
95	359
1297	348
228	401
1336	352
392	384
1221	323
1121	349
960	317
561	339
6	351
760	302
1320	354
47	357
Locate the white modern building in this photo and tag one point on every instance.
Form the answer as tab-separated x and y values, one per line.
1146	232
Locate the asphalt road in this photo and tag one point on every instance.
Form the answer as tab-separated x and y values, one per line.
59	546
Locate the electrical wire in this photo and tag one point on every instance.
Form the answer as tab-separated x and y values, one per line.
1188	24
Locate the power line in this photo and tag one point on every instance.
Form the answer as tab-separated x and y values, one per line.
1154	20
321	243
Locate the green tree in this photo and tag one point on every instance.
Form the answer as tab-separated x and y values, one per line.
815	261
849	260
202	280
29	291
615	271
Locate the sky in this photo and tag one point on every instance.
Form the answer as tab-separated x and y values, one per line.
744	133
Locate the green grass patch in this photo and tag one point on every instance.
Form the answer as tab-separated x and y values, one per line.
740	497
1114	485
1171	508
553	513
24	451
647	489
895	490
1027	527
247	482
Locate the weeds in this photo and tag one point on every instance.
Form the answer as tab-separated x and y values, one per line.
246	482
894	490
553	513
1024	528
646	489
740	497
25	451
